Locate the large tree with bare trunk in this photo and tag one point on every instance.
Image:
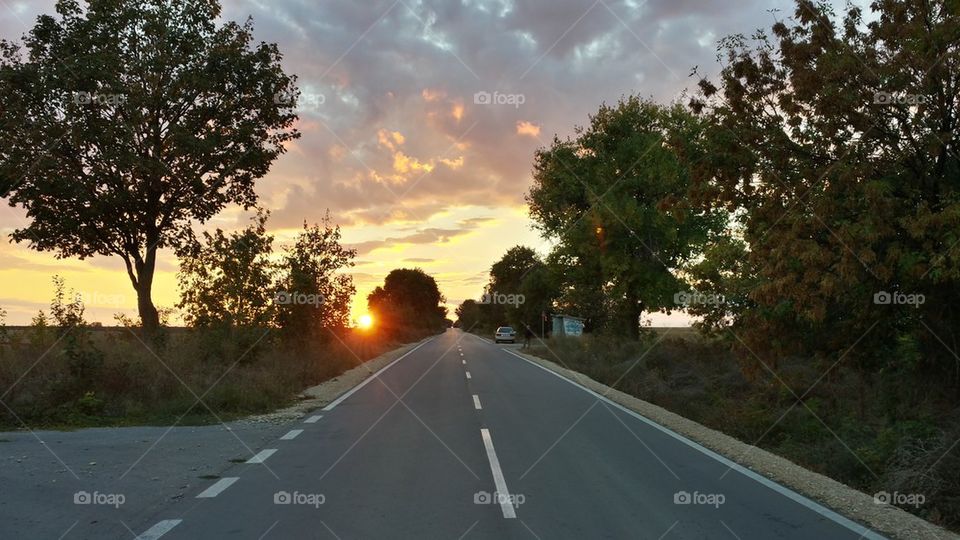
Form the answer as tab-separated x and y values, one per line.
123	122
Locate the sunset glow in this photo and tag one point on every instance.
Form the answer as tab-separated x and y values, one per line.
365	322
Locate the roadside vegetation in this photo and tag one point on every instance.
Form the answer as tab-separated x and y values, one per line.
124	128
252	342
843	427
804	207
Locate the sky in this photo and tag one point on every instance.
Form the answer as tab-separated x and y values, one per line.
420	120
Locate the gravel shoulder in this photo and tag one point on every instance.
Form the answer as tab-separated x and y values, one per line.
856	505
320	395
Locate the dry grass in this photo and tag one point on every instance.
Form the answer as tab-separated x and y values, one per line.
130	379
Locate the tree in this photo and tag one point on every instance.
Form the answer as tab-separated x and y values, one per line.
227	280
520	289
313	293
539	290
722	281
409	302
128	120
84	358
469	315
615	200
837	142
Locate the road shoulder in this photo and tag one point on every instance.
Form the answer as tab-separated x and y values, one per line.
318	396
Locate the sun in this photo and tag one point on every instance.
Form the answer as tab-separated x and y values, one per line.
365	322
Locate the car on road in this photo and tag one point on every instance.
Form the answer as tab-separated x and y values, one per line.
505	334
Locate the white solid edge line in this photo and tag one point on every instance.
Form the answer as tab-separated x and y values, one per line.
313	419
292	434
476	402
498	480
262	455
161	528
353	390
217	488
864	532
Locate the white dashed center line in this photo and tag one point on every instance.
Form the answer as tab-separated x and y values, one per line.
160	529
476	402
502	492
262	456
468	375
313	419
292	434
217	488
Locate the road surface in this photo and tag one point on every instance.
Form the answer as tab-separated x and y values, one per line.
462	439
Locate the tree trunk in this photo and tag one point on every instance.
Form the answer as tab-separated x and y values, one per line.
149	317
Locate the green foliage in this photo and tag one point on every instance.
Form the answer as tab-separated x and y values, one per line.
615	201
408	304
723	274
317	293
158	115
834	141
124	321
39	329
470	316
228	278
90	404
84	359
521	288
231	287
519	275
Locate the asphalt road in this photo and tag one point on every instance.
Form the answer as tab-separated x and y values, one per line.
461	439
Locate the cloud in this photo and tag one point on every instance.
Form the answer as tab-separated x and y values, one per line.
476	221
431	235
398	136
528	129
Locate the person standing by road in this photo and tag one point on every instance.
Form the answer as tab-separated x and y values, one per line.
527	334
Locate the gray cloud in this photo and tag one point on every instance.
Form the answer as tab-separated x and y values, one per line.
430	235
408	66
